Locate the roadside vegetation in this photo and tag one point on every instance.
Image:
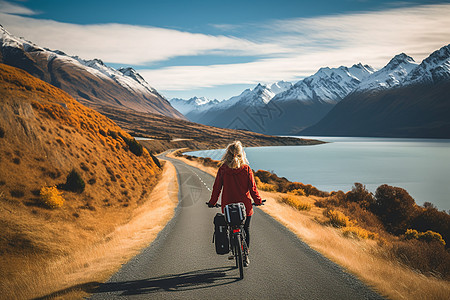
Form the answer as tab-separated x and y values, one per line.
393	244
71	183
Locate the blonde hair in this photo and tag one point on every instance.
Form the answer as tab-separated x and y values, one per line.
235	157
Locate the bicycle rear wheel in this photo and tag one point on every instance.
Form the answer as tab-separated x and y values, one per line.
239	257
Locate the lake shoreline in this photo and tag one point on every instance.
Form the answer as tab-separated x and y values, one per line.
417	165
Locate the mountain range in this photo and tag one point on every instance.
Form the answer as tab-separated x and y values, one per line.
90	82
330	92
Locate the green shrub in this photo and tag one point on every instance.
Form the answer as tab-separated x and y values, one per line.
74	182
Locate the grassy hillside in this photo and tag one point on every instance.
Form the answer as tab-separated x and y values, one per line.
44	136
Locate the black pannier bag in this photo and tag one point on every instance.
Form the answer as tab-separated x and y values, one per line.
235	213
220	237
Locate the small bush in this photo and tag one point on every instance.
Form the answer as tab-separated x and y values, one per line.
429	258
156	160
265	186
51	197
135	147
429	218
113	134
395	207
428	236
358	232
411	234
2	132
295	202
102	132
337	219
74	182
297	192
361	195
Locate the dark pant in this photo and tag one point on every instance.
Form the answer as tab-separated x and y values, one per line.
247	230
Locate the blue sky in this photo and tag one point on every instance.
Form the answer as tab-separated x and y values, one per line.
218	48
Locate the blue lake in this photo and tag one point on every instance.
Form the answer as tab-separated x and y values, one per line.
421	166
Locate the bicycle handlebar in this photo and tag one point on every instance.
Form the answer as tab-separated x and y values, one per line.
219	205
262	203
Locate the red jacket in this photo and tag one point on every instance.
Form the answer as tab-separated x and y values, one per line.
238	185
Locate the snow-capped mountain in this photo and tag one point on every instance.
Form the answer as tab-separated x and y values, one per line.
327	85
280	86
271	110
259	95
193	104
392	75
91	82
433	69
403	99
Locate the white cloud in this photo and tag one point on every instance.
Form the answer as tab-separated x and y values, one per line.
13	8
129	44
292	49
371	38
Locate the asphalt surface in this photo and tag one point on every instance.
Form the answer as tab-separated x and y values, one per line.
182	264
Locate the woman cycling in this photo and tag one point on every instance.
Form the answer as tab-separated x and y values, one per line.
235	180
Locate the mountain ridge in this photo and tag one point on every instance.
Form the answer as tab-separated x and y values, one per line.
90	82
309	100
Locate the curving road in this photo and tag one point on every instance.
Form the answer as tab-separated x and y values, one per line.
182	264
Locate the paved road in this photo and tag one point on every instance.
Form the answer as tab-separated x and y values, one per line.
182	263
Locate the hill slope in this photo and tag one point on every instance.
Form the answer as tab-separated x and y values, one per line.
44	134
92	83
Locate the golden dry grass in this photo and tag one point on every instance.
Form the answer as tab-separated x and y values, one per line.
364	258
44	134
71	275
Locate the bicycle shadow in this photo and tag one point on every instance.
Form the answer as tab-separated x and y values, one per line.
193	280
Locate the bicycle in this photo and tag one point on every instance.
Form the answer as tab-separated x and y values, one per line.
239	248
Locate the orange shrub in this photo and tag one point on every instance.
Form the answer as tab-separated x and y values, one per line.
337	219
355	231
51	197
265	186
297	192
295	202
428	236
